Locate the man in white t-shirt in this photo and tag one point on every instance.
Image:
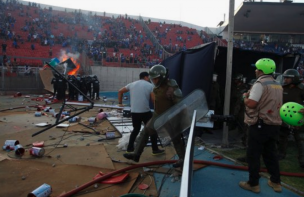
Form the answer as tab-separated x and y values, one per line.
141	92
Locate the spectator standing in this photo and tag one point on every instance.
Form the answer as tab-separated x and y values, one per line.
15	64
4	45
50	52
262	115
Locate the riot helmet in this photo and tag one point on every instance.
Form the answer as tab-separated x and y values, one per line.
266	65
158	71
293	74
238	77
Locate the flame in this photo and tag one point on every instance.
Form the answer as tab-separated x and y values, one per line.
75	70
65	56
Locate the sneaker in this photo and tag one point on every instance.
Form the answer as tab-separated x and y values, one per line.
247	186
131	157
130	151
158	152
275	186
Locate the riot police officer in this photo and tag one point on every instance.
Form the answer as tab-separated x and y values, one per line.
62	86
72	90
215	98
95	82
82	85
237	106
55	84
88	85
293	91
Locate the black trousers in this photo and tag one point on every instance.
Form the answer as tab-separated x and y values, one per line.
262	141
95	91
137	119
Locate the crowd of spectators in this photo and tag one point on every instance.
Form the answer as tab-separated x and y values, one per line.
122	43
45	27
273	47
103	39
174	38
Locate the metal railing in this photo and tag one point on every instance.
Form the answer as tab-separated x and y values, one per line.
19	80
186	183
153	39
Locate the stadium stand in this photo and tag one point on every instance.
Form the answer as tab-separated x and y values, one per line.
30	32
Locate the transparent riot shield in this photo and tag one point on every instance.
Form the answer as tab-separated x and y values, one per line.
280	79
177	119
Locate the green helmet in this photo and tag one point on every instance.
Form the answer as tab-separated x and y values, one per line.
158	71
266	65
294	74
289	113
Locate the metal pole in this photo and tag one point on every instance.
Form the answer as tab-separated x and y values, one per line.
186	182
225	142
2	76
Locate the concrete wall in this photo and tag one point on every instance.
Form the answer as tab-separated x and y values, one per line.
114	78
25	85
111	79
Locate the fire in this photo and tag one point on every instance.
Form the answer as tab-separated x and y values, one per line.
75	70
64	57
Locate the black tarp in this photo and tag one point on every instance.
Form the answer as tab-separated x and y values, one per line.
242	60
193	68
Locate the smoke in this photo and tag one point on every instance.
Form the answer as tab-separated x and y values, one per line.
64	56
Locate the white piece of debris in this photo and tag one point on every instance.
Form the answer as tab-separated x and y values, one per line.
43	124
201	148
63	125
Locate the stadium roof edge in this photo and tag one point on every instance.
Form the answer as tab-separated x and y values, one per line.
256	17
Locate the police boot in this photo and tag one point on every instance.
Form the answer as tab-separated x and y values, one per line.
178	164
180	151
